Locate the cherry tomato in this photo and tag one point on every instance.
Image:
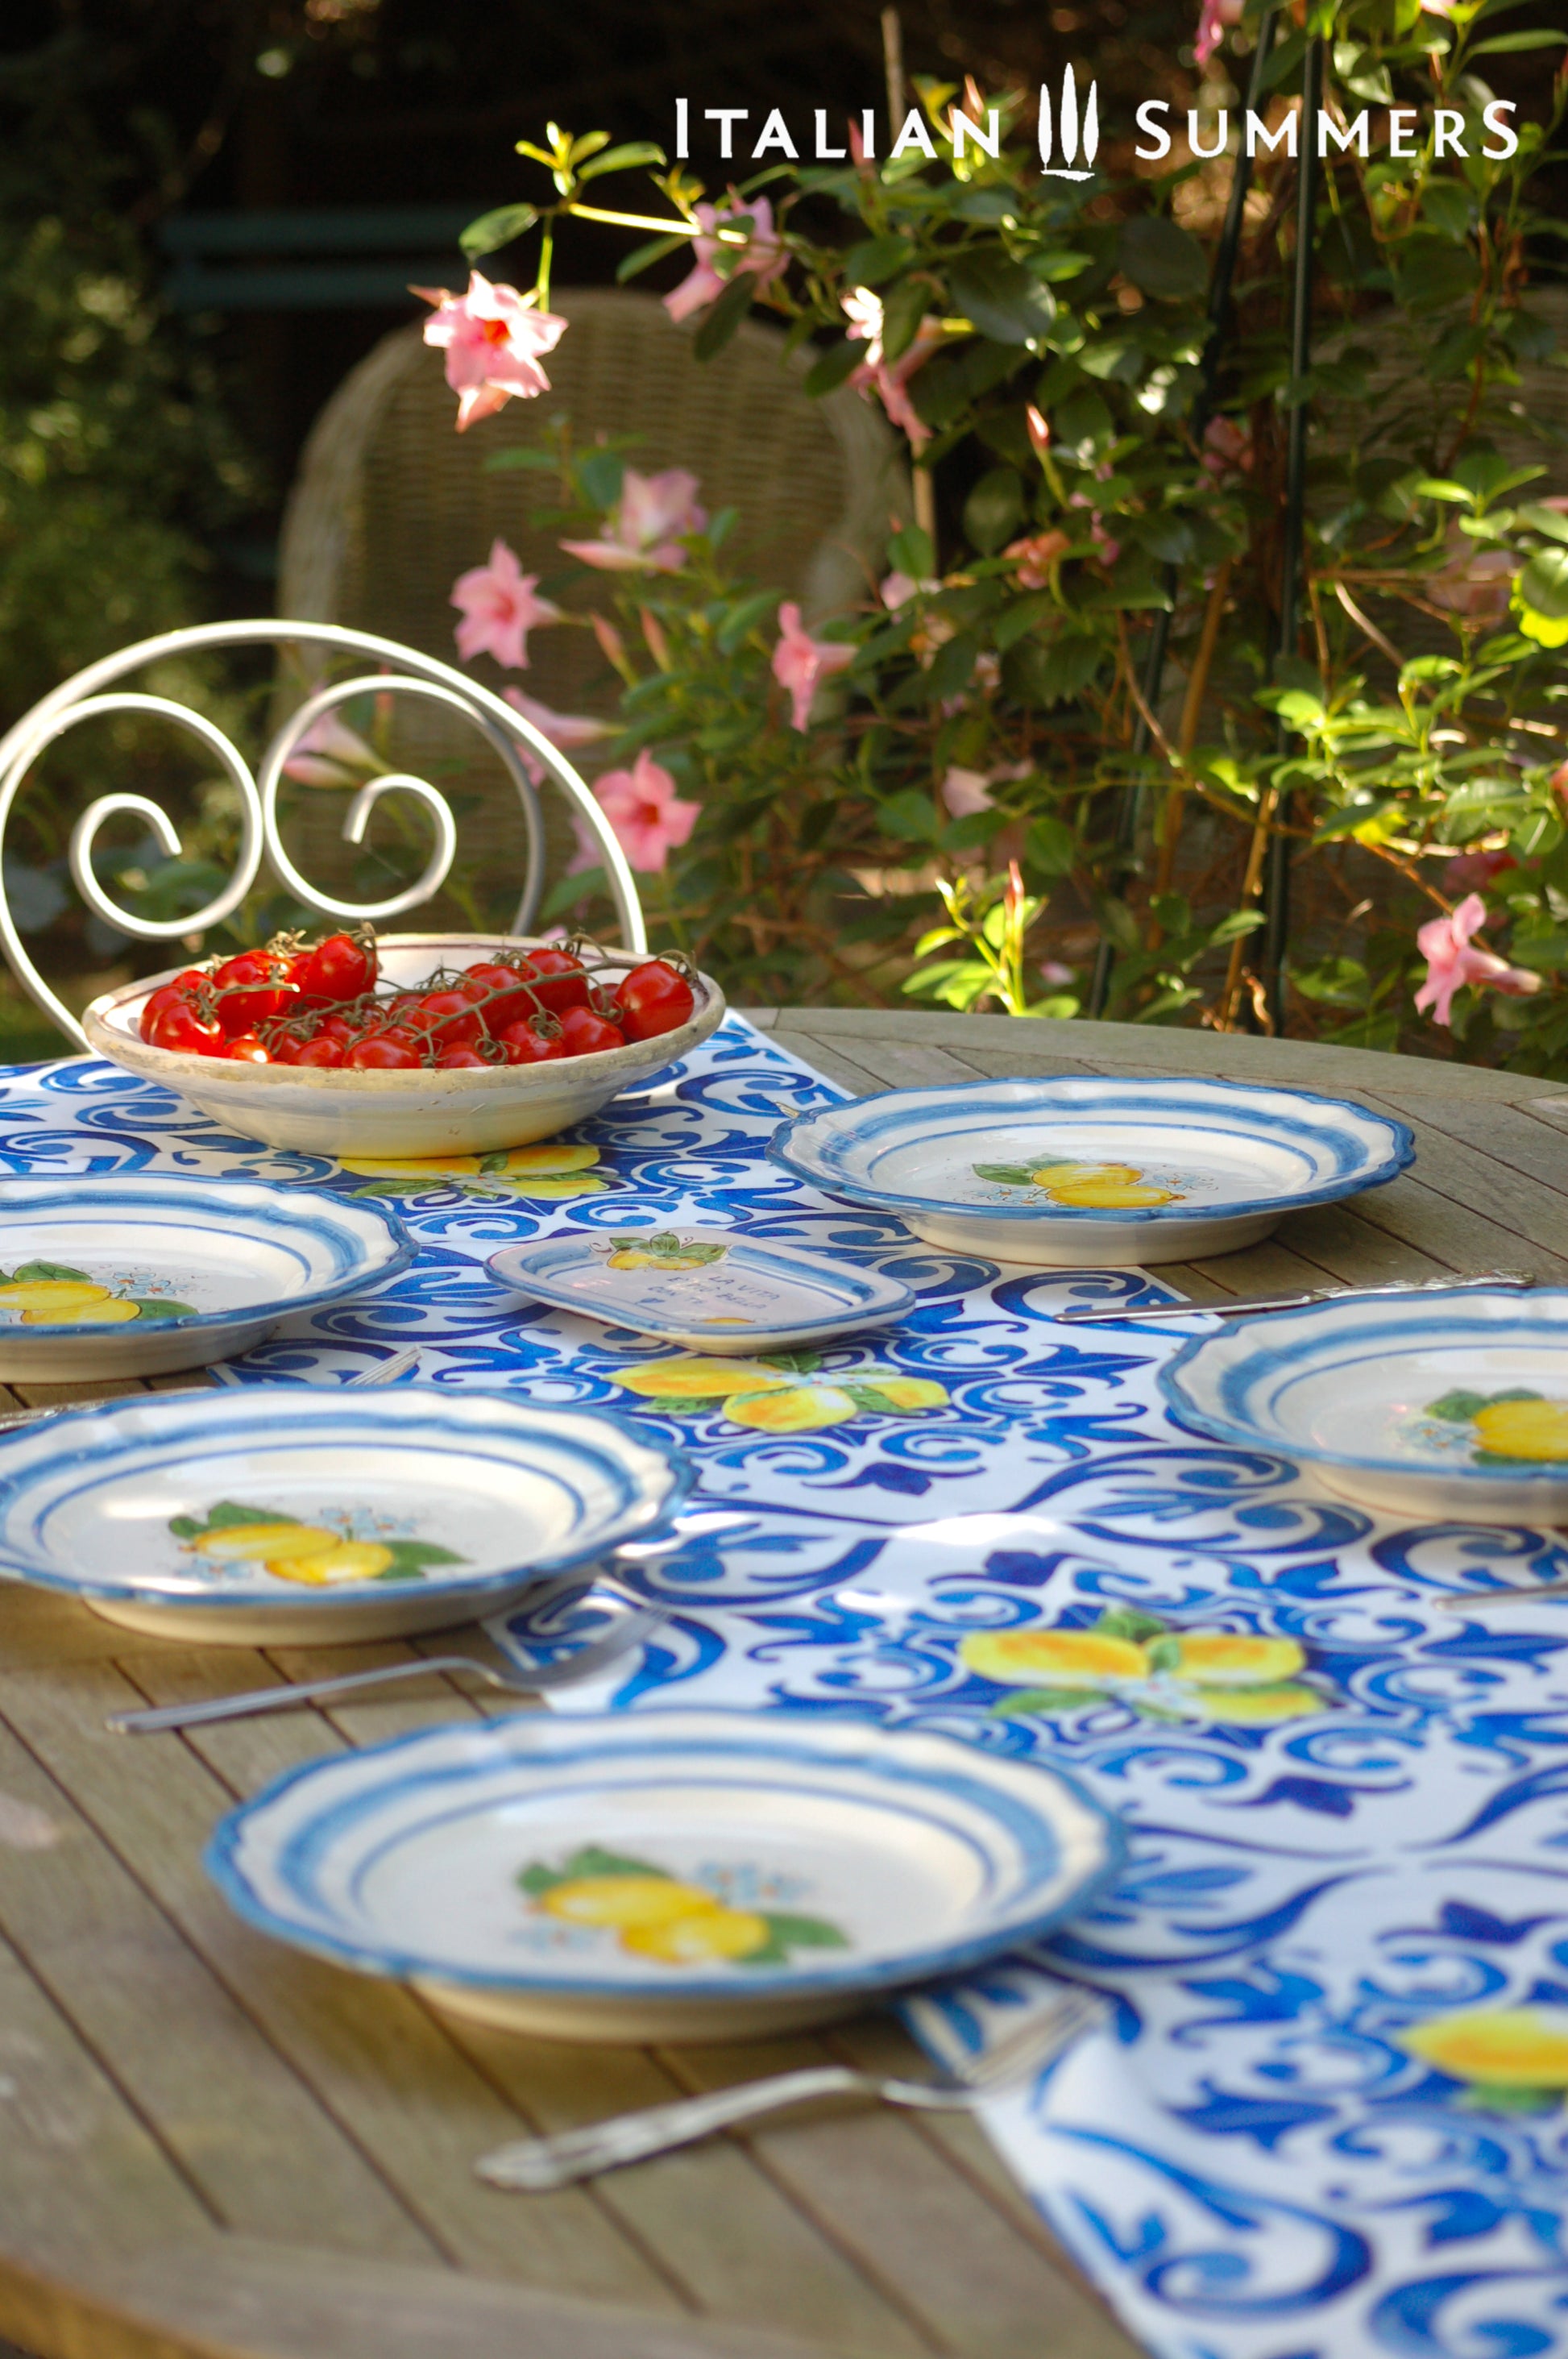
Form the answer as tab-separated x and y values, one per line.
526	1046
183	1029
342	1030
556	976
247	1049
285	1049
251	988
322	1050
584	1033
652	999
462	1057
385	1053
501	994
449	1019
338	969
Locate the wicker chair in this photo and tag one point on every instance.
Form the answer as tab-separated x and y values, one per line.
391	505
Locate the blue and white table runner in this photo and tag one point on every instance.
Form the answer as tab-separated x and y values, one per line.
1329	2118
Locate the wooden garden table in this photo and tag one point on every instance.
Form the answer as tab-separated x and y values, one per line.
209	2144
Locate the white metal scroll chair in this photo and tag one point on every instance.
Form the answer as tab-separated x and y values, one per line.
389	670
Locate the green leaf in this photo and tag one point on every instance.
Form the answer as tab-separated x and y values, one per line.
185	1527
1543	585
229	1514
411	1558
1162	258
642	257
951	671
744	618
494	230
875	260
902	311
831	368
624	158
1005	301
804	1932
47	1273
1019	617
911	551
724	315
912	816
1051	845
1025	1701
1546	520
994	510
1007	1175
1510	41
153	1308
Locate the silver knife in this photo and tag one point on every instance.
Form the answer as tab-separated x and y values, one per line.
1108	1314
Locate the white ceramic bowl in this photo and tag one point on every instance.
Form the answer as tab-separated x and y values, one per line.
324	1112
482	1864
1451	1406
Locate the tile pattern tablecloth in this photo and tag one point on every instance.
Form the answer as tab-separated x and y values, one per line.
1328	2119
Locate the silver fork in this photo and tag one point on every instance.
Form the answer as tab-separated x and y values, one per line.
148	1719
536	2165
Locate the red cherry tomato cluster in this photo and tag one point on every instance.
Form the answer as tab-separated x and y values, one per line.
318	1005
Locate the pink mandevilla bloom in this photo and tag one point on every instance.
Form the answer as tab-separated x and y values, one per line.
493	338
1451	961
1034	556
331	754
563	730
801	663
644	533
499	608
649	817
762	254
1212	24
890	379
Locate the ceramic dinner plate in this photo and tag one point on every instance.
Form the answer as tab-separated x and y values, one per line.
137	1274
662	1875
702	1288
1437	1405
1081	1172
295	1515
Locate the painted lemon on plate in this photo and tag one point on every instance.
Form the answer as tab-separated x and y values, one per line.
655	1915
50	1294
1084	1187
314	1554
1518	1427
664	1250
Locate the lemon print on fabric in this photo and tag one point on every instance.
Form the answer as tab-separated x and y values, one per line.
1513	2059
314	1554
555	1169
778	1394
1510	1428
1216	1677
655	1915
51	1294
665	1251
1084	1187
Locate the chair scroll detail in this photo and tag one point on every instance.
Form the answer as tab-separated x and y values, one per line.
405	672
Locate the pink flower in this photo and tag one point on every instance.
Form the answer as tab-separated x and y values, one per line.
890	379
493	338
331	754
644	533
900	588
762	253
500	609
1478	869
1055	974
564	730
964	792
1217	15
589	853
647	815
1226	449
1108	549
1451	961
1035	554
801	663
